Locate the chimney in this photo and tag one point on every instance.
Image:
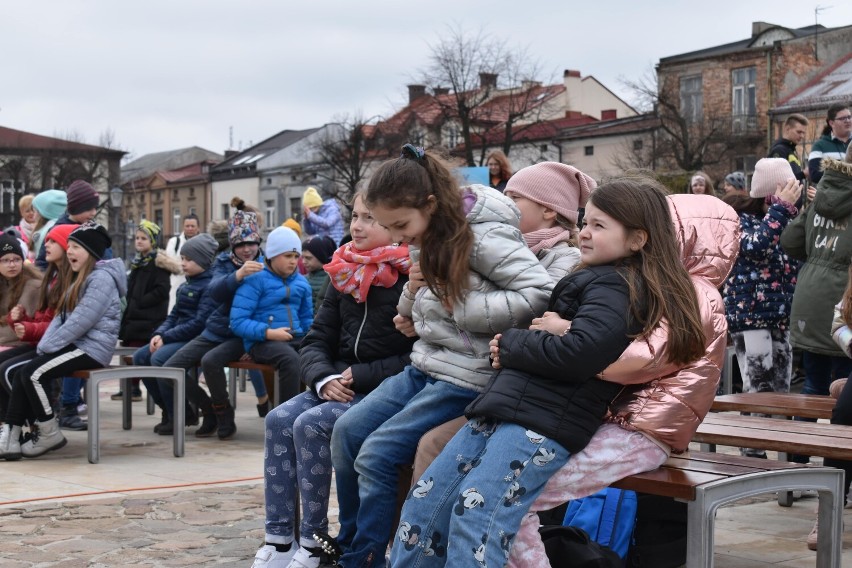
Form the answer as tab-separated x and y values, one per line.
572	73
526	84
488	80
441	91
415	92
609	114
230	154
758	28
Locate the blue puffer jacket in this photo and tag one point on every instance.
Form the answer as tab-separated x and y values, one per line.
92	326
266	301
192	308
222	288
759	291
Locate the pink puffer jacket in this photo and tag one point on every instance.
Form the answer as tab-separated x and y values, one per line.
661	399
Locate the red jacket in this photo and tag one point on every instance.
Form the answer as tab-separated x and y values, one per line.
664	400
34	327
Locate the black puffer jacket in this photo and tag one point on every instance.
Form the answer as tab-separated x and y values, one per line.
346	333
147	298
562	399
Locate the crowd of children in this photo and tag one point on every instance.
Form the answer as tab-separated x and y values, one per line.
481	335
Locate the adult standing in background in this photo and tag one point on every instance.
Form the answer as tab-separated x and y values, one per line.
499	170
322	217
190	229
834	140
792	134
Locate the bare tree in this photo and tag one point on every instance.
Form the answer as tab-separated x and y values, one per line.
687	142
346	149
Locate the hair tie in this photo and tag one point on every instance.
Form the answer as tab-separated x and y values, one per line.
412	151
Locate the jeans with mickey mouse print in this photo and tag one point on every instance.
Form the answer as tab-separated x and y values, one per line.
469	503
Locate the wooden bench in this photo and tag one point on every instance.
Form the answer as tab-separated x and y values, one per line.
235	366
776	404
706	481
125	374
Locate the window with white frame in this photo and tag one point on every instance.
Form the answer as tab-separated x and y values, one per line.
176	219
692	98
269	211
744	98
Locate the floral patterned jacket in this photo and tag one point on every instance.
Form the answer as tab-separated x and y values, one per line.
759	291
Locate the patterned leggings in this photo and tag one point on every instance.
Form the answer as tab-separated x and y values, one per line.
297	461
765	359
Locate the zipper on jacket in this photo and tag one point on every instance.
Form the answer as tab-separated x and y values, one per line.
360	329
289	313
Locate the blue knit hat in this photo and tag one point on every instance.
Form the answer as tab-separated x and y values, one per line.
281	240
50	203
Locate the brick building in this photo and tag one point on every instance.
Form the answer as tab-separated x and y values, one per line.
715	102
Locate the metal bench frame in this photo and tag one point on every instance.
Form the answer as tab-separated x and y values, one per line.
125	373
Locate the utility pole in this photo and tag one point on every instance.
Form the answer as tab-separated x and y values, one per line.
817	10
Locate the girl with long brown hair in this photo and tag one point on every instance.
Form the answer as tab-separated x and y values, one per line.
81	336
475	277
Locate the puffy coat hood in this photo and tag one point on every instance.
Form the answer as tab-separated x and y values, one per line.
115	268
667	401
491	206
833	199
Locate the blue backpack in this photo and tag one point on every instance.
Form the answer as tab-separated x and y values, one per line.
609	517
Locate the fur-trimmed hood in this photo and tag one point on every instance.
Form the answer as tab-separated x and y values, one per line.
166	262
834	192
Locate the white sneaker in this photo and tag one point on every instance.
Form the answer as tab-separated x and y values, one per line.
268	557
307	558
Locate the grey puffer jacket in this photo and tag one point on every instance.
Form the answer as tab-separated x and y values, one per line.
559	260
508	287
93	324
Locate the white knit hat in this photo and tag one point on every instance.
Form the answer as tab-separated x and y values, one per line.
281	240
768	174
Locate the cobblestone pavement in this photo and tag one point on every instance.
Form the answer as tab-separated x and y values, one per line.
215	526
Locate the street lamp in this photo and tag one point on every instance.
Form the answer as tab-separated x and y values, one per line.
116	196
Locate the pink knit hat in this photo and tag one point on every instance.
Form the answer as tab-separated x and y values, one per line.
768	173
557	186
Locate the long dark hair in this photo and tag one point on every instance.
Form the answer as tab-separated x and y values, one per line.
744	203
409	181
656	271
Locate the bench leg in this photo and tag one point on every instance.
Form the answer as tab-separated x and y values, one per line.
699	534
785	498
276	389
179	429
830	540
93	435
243	380
232	387
127	403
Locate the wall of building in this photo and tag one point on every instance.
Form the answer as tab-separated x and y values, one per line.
222	192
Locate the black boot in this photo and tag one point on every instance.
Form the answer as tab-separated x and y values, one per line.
208	425
225	418
70	420
164	420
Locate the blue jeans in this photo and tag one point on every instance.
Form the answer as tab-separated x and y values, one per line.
297	462
382	431
144	357
474	496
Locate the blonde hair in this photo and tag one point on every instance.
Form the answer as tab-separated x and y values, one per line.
25	202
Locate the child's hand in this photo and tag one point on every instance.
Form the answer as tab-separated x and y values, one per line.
17	313
812	189
338	390
156	343
494	351
790	192
551	323
280	334
415	278
19	330
404	325
248	268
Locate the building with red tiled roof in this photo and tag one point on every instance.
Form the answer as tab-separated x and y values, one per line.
32	162
520	116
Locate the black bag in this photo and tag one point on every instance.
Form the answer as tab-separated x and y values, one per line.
570	547
659	539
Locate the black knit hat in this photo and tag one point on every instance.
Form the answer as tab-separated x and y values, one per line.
321	247
92	237
10	245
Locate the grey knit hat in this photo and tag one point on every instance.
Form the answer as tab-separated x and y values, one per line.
201	249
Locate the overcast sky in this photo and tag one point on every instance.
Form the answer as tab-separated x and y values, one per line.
166	74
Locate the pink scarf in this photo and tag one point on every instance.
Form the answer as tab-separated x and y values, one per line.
548	238
353	271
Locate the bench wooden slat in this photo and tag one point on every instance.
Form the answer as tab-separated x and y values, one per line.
782	404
